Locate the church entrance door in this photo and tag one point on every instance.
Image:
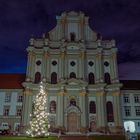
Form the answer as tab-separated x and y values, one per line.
72	122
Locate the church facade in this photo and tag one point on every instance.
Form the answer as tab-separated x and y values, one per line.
79	72
80	75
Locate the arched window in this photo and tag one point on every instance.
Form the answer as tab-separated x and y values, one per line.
92	107
107	78
109	110
72	36
54	78
72	75
73	102
37	77
91	78
52	107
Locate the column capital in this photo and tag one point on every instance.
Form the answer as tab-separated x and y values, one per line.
28	92
61	93
116	93
83	93
62	55
100	93
82	54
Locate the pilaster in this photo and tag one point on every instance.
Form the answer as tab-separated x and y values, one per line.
117	108
60	109
101	111
82	103
27	109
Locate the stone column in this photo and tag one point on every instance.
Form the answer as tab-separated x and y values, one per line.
82	104
114	64
101	111
99	66
44	69
32	74
60	109
27	110
29	64
117	112
81	63
62	68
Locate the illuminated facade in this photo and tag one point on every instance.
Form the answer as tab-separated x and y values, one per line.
80	74
79	71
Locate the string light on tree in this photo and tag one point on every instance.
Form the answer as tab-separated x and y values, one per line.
39	117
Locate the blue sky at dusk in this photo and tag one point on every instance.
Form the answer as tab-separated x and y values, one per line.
113	19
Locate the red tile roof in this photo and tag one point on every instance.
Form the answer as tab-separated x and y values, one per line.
14	81
130	84
11	81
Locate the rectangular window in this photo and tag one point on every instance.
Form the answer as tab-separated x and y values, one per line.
127	110
126	99
18	111
137	98
19	98
138	124
6	110
7	97
137	110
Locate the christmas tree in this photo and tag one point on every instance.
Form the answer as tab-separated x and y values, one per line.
39	117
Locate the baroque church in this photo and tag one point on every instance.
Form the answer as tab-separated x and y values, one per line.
80	74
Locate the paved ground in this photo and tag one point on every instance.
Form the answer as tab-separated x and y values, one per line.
73	138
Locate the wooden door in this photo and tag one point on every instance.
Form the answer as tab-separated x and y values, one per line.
72	122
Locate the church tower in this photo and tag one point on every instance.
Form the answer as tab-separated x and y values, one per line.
80	74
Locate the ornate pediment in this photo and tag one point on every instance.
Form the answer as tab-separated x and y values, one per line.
72	108
74	81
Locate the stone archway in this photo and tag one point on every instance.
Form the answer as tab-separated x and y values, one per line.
72	122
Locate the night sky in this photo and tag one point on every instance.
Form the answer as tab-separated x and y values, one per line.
113	19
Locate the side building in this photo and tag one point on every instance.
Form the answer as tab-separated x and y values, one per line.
11	100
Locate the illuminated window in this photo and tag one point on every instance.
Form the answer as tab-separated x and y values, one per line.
107	78
92	107
73	102
91	78
54	78
37	77
129	126
72	75
109	110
